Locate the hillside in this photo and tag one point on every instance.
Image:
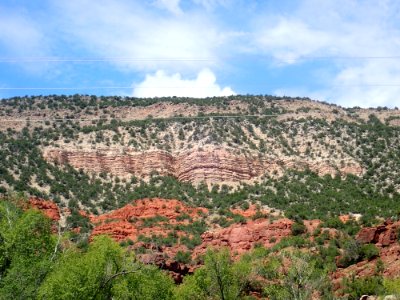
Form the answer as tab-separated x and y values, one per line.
273	188
98	153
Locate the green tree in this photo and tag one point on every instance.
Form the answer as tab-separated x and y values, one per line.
104	271
87	275
147	284
26	251
220	278
302	279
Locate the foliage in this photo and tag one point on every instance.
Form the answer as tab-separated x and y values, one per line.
356	287
392	286
26	251
105	271
301	281
220	278
298	228
369	251
183	257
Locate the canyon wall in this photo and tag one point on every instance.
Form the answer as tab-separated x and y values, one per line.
211	165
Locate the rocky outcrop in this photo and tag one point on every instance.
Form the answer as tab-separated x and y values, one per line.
382	235
150	207
119	230
49	208
210	165
385	238
127	222
252	211
240	238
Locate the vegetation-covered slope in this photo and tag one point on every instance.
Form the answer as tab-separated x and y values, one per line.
298	138
305	159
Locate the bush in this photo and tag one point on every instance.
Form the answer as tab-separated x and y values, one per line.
298	228
183	257
333	223
369	251
356	287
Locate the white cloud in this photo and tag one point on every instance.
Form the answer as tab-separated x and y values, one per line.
289	40
170	5
344	35
368	84
20	36
209	4
128	29
162	84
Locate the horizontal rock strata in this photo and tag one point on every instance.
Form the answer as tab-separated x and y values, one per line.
212	165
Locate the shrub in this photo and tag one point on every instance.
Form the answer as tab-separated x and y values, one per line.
183	257
356	287
369	251
298	228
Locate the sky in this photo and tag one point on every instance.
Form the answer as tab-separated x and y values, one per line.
345	52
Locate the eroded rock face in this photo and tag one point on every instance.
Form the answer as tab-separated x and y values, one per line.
211	165
127	222
385	238
382	235
240	238
49	208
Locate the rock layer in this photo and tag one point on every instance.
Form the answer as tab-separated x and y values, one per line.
49	208
211	165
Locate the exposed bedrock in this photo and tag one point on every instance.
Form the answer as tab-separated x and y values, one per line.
212	165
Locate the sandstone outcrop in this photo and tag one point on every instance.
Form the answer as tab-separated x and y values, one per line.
382	235
127	222
385	238
150	207
176	270
49	208
240	238
210	164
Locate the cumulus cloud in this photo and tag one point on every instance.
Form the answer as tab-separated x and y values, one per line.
162	84
336	38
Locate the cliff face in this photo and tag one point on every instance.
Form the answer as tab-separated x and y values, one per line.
210	165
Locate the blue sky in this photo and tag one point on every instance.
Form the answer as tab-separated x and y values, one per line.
340	51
